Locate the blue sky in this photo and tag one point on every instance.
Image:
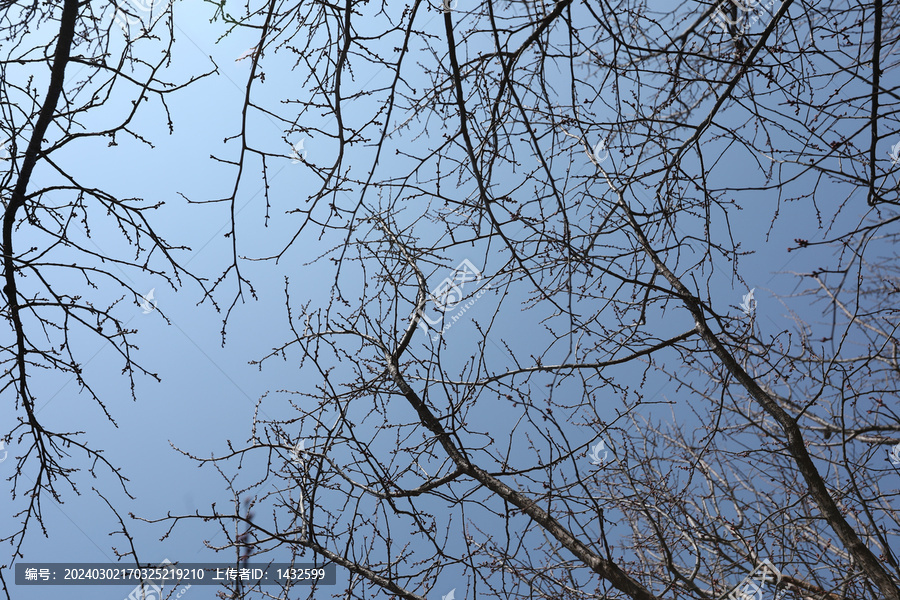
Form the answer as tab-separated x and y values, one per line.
208	392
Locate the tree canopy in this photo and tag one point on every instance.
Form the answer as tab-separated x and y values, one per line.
500	230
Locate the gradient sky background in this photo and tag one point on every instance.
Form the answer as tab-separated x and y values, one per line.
208	393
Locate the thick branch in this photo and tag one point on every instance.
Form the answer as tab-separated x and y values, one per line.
795	442
57	76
